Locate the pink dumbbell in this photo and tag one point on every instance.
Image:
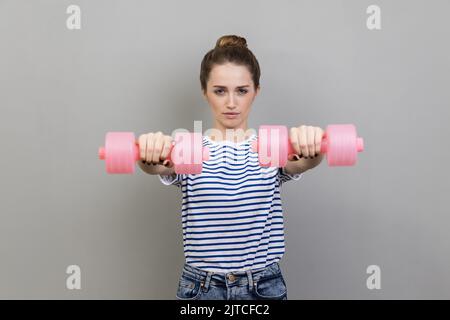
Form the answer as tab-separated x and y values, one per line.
121	152
340	143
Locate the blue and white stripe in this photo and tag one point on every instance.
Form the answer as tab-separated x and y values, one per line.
232	217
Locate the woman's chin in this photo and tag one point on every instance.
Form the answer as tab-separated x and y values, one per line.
229	125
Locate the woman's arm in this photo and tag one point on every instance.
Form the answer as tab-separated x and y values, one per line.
156	169
302	164
153	148
306	141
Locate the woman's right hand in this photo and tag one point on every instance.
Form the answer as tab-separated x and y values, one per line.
154	148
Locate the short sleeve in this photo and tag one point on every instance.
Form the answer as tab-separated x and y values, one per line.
173	179
284	177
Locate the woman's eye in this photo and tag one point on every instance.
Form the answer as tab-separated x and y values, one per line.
220	91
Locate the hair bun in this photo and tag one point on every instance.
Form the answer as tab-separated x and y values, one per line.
231	41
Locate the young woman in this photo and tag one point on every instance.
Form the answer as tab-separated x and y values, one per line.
232	217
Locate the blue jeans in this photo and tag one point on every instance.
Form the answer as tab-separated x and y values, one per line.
261	284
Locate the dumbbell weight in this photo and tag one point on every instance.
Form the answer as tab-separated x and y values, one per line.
121	152
340	143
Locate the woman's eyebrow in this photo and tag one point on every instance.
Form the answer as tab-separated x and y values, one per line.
244	86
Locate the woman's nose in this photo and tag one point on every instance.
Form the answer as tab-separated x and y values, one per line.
230	101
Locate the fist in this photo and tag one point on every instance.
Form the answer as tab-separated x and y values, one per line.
154	148
306	141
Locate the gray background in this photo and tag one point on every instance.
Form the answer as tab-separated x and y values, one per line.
134	66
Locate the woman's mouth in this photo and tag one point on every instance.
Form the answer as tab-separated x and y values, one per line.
231	115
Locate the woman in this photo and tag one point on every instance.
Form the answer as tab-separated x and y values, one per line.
233	232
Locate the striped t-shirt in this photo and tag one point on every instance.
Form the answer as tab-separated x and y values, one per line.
232	217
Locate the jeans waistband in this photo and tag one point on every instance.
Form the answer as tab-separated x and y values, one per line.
231	278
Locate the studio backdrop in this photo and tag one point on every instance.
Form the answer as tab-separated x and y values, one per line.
70	71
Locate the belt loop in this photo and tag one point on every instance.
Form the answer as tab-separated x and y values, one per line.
207	280
250	280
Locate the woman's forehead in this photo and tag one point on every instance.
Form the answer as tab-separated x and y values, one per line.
230	75
230	70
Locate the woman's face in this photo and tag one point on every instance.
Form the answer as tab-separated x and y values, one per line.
230	89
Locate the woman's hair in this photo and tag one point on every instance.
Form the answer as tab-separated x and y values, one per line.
229	48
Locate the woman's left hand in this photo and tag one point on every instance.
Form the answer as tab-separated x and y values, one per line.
306	141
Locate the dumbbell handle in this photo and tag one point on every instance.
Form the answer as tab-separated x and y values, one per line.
137	154
323	145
